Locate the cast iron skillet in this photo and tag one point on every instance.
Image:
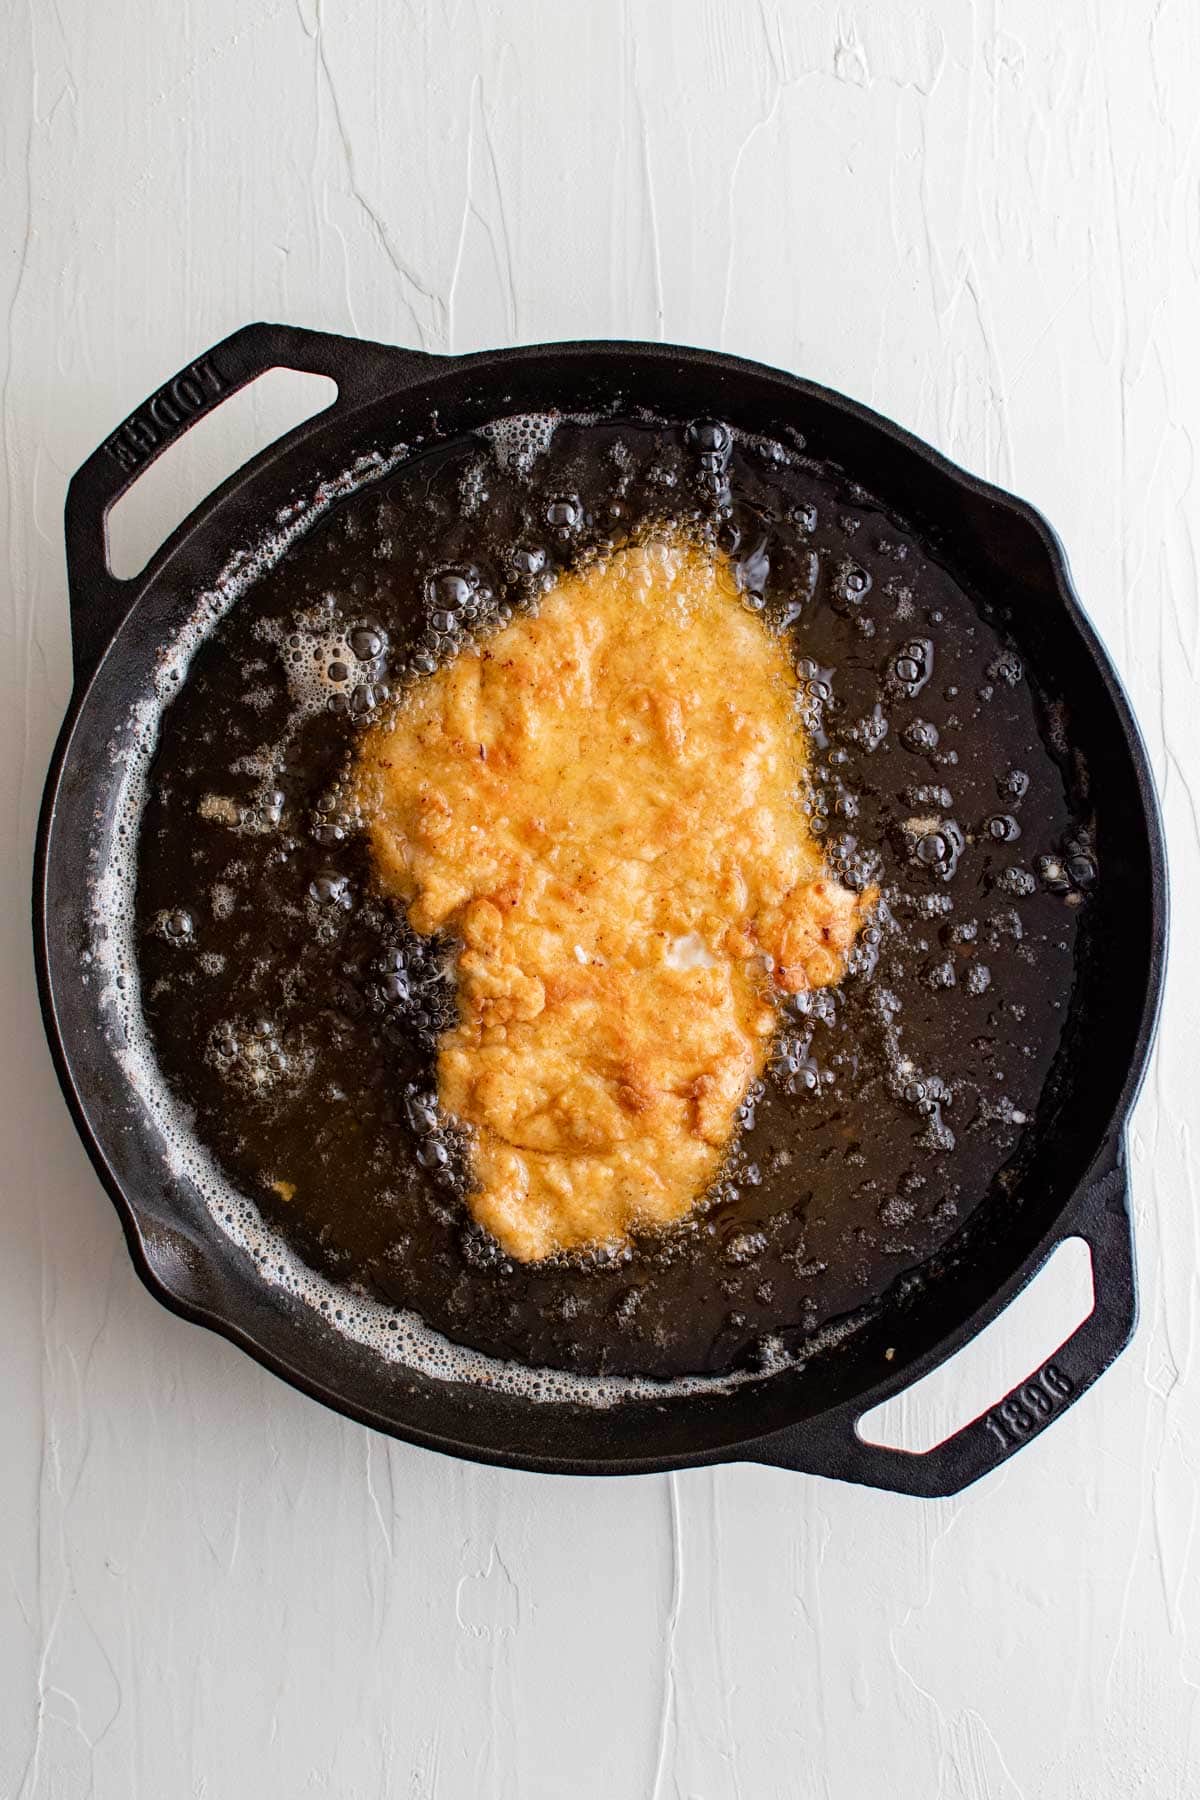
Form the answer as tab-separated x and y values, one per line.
803	1419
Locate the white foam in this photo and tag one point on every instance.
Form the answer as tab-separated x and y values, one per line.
219	808
397	1336
308	656
518	441
319	664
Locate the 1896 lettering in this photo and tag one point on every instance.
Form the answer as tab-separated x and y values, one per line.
1028	1407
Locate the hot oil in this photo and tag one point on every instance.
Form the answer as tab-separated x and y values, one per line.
296	1013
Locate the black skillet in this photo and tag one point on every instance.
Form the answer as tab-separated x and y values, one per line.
802	1419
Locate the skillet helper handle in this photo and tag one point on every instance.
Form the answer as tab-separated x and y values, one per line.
832	1446
99	600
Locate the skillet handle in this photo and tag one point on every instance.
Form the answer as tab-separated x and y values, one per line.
99	600
831	1445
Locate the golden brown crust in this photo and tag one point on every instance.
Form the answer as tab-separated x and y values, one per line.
602	803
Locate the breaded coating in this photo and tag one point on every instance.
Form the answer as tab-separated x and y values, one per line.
602	802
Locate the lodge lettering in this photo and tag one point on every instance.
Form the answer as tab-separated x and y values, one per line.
154	424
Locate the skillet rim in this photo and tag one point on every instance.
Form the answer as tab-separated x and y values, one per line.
412	371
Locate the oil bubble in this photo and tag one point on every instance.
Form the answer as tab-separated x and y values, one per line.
710	436
870	731
1016	881
851	585
1007	668
453	588
751	570
896	1210
744	1247
1005	926
176	927
912	666
331	829
250	1055
367	643
529	559
330	888
804	583
920	736
936	846
421	1112
1052	874
929	794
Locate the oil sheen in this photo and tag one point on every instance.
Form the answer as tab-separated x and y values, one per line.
305	976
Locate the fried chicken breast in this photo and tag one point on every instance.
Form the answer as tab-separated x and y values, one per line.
601	801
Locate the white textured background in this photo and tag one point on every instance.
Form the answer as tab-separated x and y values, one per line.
982	219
